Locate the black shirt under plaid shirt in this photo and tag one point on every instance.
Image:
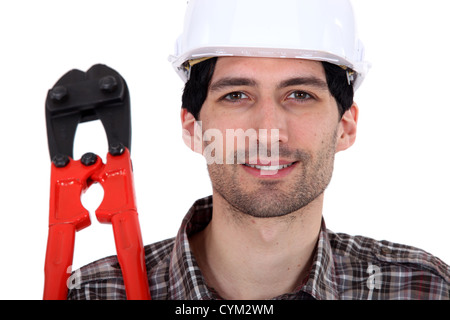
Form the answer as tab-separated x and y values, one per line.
345	267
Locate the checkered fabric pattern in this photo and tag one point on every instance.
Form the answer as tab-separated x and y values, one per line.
345	267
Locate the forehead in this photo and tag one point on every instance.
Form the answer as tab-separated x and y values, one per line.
275	69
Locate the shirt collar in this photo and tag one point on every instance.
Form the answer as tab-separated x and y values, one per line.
187	282
321	283
185	278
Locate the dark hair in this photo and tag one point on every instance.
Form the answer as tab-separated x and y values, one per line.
339	87
196	88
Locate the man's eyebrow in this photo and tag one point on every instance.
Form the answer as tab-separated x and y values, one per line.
309	81
296	81
232	82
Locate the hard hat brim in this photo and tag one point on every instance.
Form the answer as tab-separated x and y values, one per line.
180	63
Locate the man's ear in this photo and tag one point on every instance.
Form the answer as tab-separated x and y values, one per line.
192	132
347	128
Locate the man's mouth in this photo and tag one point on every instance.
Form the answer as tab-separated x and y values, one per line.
269	167
270	170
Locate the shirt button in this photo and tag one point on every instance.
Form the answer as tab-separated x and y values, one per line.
386	250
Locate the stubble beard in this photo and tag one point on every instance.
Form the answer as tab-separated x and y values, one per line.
277	198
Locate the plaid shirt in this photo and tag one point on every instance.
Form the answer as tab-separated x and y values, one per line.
344	267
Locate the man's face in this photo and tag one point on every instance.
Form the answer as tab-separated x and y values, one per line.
291	96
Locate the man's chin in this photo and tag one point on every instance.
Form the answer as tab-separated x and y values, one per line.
265	206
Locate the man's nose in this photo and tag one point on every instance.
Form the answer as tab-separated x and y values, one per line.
270	117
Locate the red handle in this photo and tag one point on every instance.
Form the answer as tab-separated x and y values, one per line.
119	208
58	261
67	215
130	252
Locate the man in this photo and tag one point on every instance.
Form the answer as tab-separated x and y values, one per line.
269	101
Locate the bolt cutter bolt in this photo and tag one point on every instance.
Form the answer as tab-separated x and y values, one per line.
108	84
60	160
117	149
58	93
88	159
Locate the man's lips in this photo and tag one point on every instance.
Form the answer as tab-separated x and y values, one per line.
274	170
269	167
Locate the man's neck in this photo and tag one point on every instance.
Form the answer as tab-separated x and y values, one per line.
243	257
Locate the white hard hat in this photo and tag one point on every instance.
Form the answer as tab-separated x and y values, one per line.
322	30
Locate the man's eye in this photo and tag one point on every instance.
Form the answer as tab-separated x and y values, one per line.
235	96
299	95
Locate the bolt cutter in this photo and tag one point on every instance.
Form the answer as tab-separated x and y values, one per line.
98	94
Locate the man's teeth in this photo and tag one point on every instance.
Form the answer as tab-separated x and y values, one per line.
268	168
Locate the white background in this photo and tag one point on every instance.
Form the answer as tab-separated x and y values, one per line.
392	184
